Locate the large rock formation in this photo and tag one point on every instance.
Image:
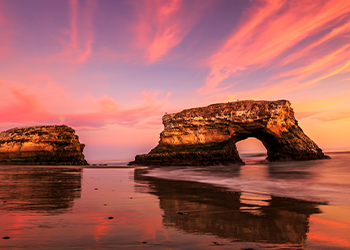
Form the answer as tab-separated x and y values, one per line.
208	135
52	145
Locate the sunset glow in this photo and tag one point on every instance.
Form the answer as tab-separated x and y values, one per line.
111	69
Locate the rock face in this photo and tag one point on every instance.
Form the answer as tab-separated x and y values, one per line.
208	135
51	145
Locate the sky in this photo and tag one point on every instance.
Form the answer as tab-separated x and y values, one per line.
112	68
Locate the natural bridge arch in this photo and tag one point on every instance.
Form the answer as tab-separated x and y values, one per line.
208	135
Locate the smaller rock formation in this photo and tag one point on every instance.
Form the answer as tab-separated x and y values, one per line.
44	145
208	135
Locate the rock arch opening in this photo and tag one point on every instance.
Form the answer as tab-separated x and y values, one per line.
269	143
251	150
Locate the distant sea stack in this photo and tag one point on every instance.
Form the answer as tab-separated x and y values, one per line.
208	135
44	145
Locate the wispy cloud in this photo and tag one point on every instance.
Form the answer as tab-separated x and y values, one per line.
78	39
275	29
319	64
73	23
336	32
6	32
320	108
163	24
336	116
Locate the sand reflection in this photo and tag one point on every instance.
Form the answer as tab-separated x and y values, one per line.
39	189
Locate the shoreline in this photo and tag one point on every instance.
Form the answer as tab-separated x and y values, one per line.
248	156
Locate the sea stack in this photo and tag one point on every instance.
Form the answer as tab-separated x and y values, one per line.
44	145
208	135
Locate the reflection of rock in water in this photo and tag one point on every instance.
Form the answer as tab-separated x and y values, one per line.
232	215
39	189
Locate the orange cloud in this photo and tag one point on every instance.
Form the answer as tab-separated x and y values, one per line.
272	30
323	103
321	109
343	69
336	116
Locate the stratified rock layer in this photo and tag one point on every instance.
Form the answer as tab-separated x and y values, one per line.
52	145
208	135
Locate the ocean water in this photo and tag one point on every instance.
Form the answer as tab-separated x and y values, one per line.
284	205
325	181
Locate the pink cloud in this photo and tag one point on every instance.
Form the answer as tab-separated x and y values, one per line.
77	46
158	26
168	32
162	25
336	32
316	70
142	116
27	104
26	108
272	29
319	64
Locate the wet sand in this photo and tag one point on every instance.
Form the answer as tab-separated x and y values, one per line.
108	208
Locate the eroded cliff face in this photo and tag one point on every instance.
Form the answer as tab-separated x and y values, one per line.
52	145
208	135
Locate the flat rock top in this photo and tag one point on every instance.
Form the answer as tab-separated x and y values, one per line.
248	109
35	131
31	128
